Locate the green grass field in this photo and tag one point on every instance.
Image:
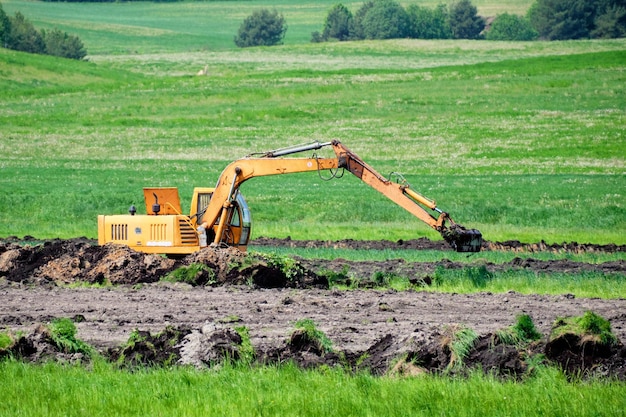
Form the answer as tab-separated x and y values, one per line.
523	141
528	148
288	391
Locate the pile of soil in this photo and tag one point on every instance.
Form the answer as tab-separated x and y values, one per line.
214	343
81	260
427	244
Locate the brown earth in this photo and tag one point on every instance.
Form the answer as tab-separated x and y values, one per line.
381	330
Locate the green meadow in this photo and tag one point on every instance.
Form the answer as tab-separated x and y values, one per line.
522	141
288	391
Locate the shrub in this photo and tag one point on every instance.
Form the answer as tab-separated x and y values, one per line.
5	28
386	19
510	27
358	28
261	28
425	23
24	37
61	44
338	23
464	20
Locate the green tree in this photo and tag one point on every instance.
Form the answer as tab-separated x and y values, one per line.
24	36
387	19
428	23
338	24
5	28
510	27
563	19
261	28
59	43
358	29
464	20
610	21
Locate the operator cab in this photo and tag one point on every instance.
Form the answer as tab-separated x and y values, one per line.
238	225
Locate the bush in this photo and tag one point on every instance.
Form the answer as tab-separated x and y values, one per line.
386	19
510	27
464	20
338	24
58	43
5	28
358	28
425	23
261	28
24	37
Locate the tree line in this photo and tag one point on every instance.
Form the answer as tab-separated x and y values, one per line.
388	19
18	33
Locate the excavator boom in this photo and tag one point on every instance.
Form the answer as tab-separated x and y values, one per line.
270	163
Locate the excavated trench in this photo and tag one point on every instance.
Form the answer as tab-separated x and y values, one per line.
383	331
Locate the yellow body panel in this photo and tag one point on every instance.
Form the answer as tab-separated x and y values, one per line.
151	234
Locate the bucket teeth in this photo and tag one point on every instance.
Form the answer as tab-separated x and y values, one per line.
462	239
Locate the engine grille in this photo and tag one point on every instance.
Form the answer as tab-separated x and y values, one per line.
188	236
158	232
119	232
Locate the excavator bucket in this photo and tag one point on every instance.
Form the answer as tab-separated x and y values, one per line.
462	239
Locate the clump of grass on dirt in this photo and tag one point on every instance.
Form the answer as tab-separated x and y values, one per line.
63	334
292	269
522	332
194	274
310	333
6	340
246	350
460	340
589	325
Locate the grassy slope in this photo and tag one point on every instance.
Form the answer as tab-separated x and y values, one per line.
521	140
527	149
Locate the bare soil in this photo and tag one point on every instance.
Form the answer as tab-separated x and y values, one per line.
381	330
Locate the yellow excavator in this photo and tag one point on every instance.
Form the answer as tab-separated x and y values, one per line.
221	216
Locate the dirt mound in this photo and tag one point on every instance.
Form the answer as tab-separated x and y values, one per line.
39	346
82	261
586	346
398	355
427	244
79	260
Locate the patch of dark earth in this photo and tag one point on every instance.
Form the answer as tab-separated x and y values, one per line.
383	331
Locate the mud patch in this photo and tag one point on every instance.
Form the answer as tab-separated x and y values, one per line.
427	244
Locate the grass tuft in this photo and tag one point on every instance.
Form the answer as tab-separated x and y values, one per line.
314	335
63	334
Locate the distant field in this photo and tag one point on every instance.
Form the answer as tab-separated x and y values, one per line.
520	140
147	27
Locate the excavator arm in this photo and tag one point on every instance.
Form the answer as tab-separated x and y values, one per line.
270	163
